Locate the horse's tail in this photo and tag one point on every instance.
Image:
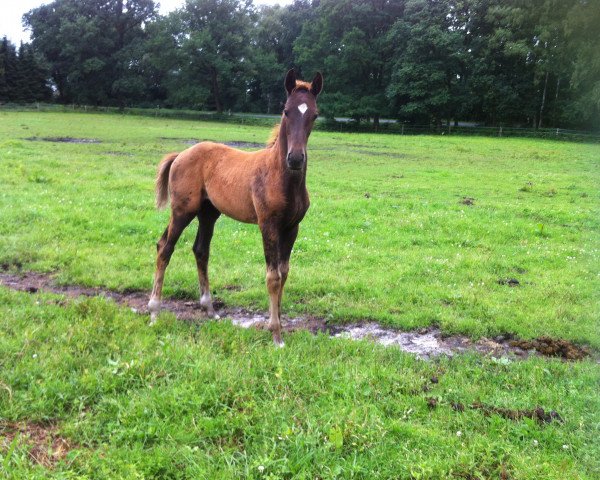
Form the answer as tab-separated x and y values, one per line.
162	180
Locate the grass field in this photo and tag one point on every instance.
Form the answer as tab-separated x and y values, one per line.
389	237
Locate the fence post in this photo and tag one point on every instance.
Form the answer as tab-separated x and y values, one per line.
500	132
557	132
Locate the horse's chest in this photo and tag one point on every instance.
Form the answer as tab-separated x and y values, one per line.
289	205
296	209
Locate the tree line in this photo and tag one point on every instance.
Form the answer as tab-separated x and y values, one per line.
23	77
532	63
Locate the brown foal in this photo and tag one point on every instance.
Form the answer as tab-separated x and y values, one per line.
267	187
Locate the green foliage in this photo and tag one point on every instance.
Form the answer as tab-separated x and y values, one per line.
429	57
88	46
496	62
22	77
346	40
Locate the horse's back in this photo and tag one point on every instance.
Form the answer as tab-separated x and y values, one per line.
219	173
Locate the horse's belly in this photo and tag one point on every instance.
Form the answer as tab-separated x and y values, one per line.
234	204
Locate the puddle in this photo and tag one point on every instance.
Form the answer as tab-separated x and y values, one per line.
245	144
233	143
63	140
424	343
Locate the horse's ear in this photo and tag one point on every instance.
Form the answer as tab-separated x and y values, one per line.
317	84
290	81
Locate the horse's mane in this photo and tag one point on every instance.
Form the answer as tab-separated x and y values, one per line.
300	85
273	136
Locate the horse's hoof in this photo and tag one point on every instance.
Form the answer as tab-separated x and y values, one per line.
210	313
153	317
279	343
154	305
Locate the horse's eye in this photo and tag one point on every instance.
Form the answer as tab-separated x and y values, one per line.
285	112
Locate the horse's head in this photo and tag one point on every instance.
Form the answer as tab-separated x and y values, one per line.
298	117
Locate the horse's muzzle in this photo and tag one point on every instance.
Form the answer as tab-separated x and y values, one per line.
295	161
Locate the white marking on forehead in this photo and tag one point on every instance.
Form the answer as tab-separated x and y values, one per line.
303	108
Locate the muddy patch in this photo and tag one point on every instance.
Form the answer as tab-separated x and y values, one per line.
118	154
45	446
424	343
187	141
240	144
233	143
552	347
63	140
511	282
538	414
378	153
469	201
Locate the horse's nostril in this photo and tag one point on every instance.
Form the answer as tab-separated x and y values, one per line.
295	159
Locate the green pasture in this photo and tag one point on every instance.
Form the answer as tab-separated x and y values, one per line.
387	236
408	231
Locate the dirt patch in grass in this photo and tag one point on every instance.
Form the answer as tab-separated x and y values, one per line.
118	154
425	342
63	140
187	141
46	446
511	282
552	347
468	201
538	414
17	265
378	153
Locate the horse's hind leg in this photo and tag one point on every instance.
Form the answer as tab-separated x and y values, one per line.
207	217
165	248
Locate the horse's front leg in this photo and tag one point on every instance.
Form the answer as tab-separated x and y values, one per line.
286	243
271	243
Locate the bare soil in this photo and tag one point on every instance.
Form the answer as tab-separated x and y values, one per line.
553	348
46	447
63	140
425	342
511	282
538	413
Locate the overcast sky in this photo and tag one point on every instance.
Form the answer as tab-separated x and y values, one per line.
12	11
